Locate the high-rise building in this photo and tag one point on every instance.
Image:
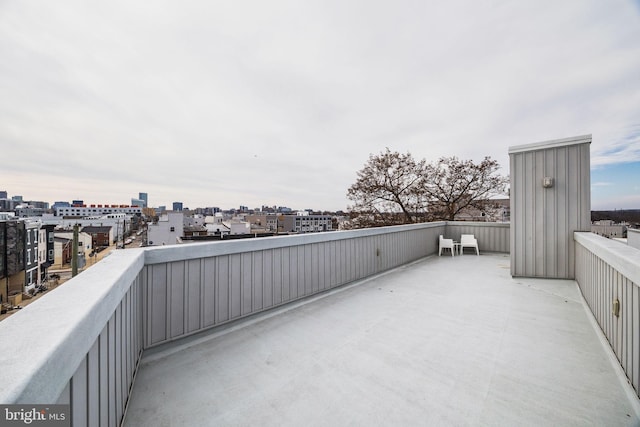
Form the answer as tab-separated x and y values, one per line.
138	202
145	198
177	206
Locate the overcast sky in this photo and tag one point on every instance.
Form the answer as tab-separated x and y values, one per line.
218	103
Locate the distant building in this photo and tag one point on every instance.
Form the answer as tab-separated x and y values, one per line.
138	202
32	234
12	257
177	206
145	198
608	228
46	255
239	227
195	230
7	205
28	211
303	222
96	210
167	230
268	222
121	224
62	250
57	205
26	253
85	247
215	225
101	236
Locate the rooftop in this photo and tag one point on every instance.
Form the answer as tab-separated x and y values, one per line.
441	341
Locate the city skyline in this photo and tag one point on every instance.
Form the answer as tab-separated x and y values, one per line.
281	103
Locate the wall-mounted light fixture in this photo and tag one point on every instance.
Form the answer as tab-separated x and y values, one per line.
615	307
547	182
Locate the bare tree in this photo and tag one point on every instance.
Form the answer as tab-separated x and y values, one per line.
393	188
389	190
453	186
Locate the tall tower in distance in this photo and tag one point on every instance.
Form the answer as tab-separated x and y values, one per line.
145	198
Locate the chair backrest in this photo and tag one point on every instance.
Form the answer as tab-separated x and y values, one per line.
467	238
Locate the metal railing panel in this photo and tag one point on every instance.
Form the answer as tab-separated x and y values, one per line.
608	274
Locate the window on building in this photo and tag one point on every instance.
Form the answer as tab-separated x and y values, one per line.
172	229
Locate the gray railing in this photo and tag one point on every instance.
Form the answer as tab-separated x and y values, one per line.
492	236
82	343
608	274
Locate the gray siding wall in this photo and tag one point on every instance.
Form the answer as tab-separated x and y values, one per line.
200	287
99	390
606	271
543	220
491	236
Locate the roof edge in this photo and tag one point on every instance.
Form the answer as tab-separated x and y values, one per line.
554	143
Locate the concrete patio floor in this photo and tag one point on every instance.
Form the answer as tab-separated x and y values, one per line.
443	341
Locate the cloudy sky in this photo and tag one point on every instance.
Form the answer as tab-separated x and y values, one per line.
218	103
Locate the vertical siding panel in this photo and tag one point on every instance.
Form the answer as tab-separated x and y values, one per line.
539	217
635	310
277	264
193	318
286	276
314	263
247	292
235	287
333	262
118	363
176	298
293	272
322	266
267	277
562	199
103	376
93	385
79	402
308	270
209	298
300	273
126	345
258	279
111	372
223	283
628	334
158	303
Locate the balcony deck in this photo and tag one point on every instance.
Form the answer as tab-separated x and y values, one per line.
443	341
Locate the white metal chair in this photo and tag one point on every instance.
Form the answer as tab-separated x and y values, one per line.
468	241
446	244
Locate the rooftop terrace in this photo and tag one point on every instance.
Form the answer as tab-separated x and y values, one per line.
442	341
358	327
